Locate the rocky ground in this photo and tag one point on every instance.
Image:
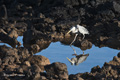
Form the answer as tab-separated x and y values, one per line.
41	22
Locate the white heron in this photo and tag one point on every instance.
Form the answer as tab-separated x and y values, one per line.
77	29
78	59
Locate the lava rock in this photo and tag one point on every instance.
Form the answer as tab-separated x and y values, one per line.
113	43
9	55
31	35
21	27
3	13
35	48
35	69
39	60
95	69
9	39
0	61
24	53
31	2
116	6
75	77
118	55
116	59
57	70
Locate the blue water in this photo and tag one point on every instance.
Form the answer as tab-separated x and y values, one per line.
57	52
20	39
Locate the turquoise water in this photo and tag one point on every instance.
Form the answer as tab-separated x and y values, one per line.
57	52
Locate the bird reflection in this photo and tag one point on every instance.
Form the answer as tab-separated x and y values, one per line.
78	59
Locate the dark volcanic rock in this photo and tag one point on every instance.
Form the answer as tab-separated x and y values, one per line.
13	34
56	71
9	55
35	70
14	62
108	71
0	61
84	44
13	55
24	53
4	37
116	6
95	69
58	16
118	55
31	2
31	36
35	40
113	43
39	60
3	13
43	21
81	76
21	27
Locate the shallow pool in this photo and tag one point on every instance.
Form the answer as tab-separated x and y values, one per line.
57	52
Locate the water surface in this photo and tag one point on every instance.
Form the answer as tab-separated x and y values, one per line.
57	52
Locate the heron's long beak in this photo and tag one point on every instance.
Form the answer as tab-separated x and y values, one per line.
69	59
68	31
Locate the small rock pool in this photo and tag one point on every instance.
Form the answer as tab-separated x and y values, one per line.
57	52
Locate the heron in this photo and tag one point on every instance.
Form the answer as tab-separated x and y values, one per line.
78	59
76	30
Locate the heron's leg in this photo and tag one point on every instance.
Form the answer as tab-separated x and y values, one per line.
83	36
73	49
72	43
74	39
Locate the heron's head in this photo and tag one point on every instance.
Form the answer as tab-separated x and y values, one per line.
68	32
72	61
73	30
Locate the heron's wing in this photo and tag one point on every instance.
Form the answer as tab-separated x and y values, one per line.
81	58
82	29
78	56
